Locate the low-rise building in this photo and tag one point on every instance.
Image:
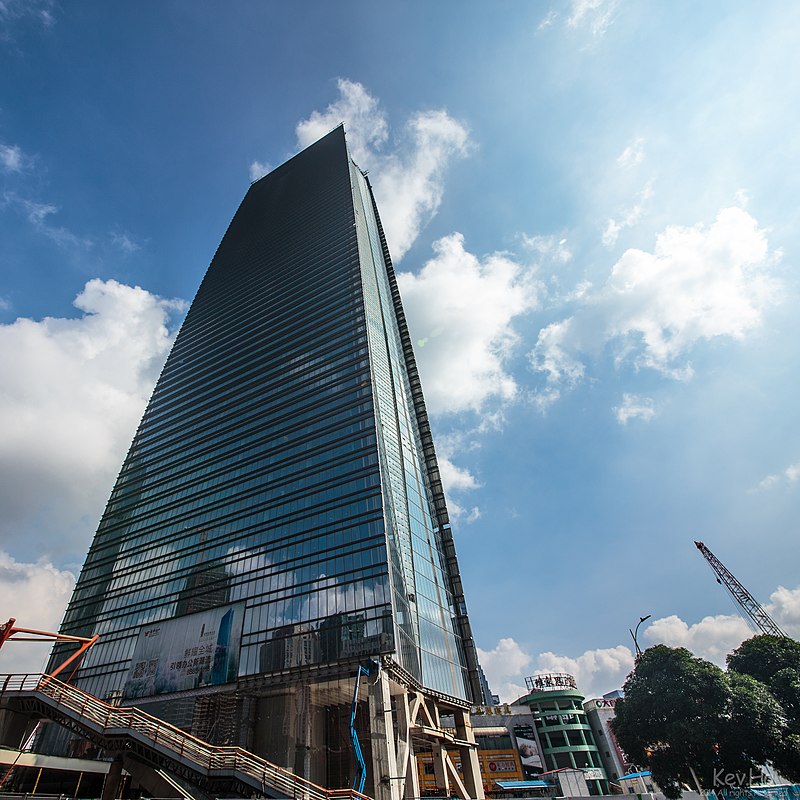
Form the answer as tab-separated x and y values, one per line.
508	752
639	782
599	713
563	731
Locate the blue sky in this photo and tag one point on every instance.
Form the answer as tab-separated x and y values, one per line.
593	210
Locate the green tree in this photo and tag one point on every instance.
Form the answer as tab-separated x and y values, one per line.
763	657
693	723
775	661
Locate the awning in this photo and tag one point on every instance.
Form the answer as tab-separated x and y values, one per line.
523	784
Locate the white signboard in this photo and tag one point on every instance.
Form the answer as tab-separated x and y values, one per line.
187	652
593	774
602	702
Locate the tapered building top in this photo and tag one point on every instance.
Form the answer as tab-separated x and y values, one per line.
280	510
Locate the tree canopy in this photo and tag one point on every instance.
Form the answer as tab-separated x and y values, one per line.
763	657
775	661
695	724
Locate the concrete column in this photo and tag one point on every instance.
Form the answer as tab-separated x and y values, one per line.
439	769
411	783
113	779
470	763
384	758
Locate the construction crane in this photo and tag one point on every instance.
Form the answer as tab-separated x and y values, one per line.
751	610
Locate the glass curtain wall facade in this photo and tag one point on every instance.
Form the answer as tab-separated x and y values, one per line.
279	513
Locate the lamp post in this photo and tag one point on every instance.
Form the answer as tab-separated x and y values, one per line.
634	632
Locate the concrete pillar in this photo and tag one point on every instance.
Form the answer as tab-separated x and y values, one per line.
406	758
470	763
384	758
439	769
113	779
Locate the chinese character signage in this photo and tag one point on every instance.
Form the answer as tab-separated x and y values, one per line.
593	774
187	652
552	681
502	765
504	709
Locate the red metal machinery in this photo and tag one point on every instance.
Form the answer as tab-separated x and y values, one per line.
9	629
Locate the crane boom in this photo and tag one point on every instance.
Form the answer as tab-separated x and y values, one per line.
753	613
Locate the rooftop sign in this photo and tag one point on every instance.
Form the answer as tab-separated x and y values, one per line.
550	682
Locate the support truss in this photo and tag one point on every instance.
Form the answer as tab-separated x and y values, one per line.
406	721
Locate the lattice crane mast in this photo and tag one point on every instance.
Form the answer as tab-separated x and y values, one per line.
751	610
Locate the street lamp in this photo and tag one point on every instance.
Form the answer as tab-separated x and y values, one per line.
635	631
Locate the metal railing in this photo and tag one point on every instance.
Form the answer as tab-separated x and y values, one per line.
206	758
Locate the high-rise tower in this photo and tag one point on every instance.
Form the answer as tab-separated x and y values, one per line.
279	519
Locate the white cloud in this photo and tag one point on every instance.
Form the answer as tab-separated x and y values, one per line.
634	406
461	514
595	671
460	312
36	595
553	354
629	217
12	158
408	180
788	477
365	122
259	170
633	154
604	669
409	185
767	483
456	481
548	20
715	636
698	284
549	247
611	233
38	215
712	638
73	391
125	242
596	15
504	667
784	608
16	11
456	478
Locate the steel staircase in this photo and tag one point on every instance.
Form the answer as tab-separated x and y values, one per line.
151	741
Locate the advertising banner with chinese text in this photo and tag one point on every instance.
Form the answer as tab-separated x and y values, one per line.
187	652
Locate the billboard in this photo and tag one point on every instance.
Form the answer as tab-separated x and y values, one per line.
528	749
187	652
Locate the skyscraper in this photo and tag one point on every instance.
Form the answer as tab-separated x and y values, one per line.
279	519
